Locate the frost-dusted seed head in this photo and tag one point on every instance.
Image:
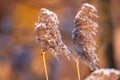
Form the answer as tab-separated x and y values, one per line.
84	34
104	74
86	16
47	34
47	16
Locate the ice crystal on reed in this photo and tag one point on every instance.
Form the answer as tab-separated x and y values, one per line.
84	34
48	36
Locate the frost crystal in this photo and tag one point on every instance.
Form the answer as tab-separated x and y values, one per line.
104	74
84	33
48	36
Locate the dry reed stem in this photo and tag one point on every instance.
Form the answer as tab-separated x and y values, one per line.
78	69
84	34
44	61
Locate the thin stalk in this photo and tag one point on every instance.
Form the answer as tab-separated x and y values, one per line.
44	61
78	69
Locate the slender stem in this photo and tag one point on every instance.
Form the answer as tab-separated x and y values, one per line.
78	70
44	61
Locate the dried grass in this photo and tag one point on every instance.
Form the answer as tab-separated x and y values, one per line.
84	33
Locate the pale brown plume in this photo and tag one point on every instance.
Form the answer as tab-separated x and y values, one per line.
48	35
84	34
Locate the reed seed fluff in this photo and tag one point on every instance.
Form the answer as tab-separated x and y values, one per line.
48	35
104	74
84	34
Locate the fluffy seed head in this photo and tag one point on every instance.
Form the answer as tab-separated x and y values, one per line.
47	34
104	74
84	34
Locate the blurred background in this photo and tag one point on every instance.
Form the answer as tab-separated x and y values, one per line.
20	56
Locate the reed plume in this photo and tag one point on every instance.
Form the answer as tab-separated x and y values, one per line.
84	34
48	35
104	74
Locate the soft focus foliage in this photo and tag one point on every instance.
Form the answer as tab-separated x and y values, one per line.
20	56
